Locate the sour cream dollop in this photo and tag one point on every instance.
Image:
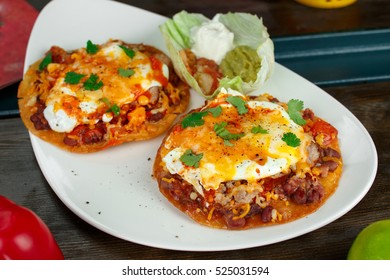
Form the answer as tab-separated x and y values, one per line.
212	40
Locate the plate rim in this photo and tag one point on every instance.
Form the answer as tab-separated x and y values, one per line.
36	142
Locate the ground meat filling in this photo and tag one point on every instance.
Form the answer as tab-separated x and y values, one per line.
235	204
303	191
280	198
38	119
90	134
237	201
155	107
85	134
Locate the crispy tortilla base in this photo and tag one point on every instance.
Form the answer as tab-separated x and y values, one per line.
27	106
174	188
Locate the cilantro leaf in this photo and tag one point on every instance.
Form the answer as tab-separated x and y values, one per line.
228	143
91	47
73	78
191	159
225	134
129	52
238	103
113	108
193	119
259	129
45	61
294	106
105	101
196	118
291	139
126	72
92	83
215	112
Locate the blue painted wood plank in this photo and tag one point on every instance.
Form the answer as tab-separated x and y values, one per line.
326	59
330	59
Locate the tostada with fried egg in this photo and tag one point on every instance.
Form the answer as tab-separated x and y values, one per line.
241	161
101	95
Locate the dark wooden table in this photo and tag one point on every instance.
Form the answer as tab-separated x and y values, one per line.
22	181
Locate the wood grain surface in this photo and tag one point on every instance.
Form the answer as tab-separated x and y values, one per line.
22	180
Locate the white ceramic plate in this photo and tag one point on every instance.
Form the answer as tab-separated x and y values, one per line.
113	190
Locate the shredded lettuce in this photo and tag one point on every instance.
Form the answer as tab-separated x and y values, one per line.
248	30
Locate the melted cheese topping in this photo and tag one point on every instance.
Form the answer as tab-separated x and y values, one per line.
252	157
68	105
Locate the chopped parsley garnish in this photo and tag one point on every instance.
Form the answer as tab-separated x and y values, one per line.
45	61
291	139
93	83
91	47
112	107
126	72
225	134
129	52
73	78
193	119
191	159
258	129
239	103
294	106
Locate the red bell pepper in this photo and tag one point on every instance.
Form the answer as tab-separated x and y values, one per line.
24	236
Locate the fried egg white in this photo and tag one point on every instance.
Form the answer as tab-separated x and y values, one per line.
252	157
69	105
